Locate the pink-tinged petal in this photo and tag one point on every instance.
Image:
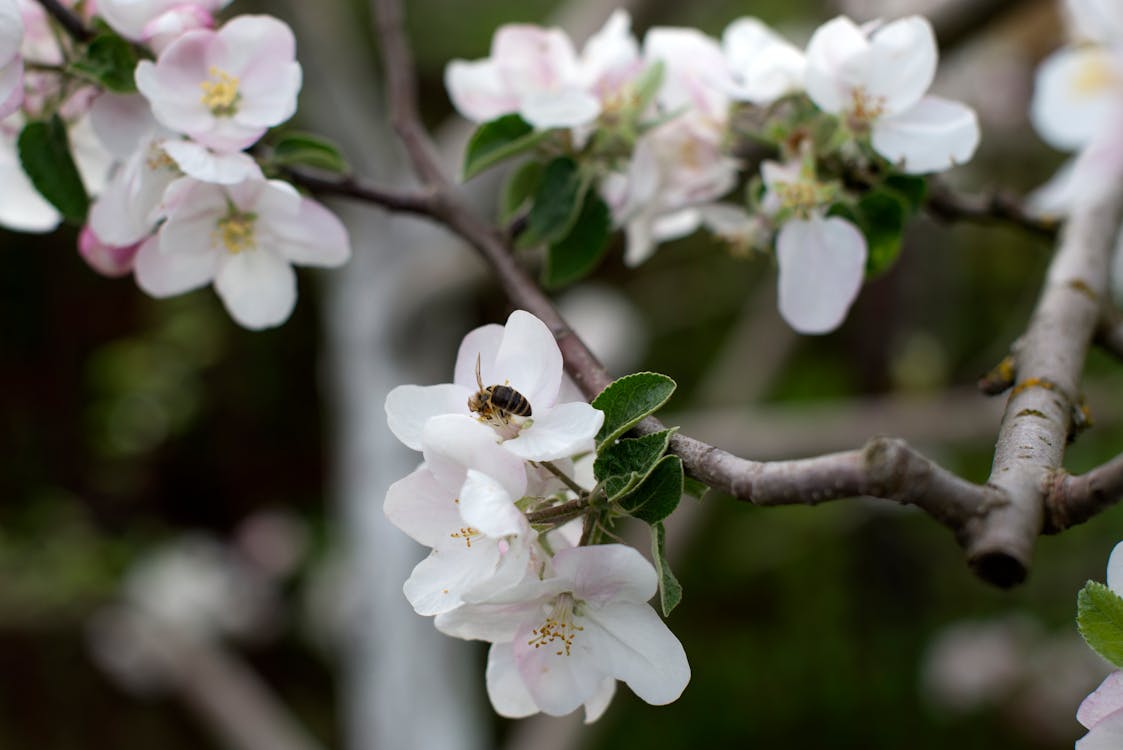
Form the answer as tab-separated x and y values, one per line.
505	689
166	274
270	98
409	407
533	59
477	91
250	44
452	444
529	359
632	644
933	136
437	582
165	28
482	343
903	59
486	505
837	61
822	263
11	30
1076	93
122	122
598	704
1115	572
11	87
611	56
607	572
560	677
1102	702
312	236
695	74
513	568
422	507
1107	735
203	164
129	17
108	260
226	134
495	623
258	288
561	432
563	108
195	210
172	84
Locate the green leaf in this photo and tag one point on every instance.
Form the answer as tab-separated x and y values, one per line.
628	400
883	214
658	495
520	185
295	149
624	464
1099	615
578	253
497	140
670	590
694	487
44	152
912	188
557	202
110	62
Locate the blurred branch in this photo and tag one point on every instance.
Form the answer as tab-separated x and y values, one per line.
987	208
1109	331
416	202
956	21
68	19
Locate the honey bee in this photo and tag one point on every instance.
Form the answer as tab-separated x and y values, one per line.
497	403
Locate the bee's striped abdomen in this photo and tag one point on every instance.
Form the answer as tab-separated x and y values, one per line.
509	400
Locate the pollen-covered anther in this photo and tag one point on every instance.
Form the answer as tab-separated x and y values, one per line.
220	92
235	232
559	629
865	107
467	533
798	196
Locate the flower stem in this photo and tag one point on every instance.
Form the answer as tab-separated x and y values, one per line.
566	480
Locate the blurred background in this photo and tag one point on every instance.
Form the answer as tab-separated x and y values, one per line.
192	548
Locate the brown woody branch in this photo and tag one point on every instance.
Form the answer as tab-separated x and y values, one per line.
948	206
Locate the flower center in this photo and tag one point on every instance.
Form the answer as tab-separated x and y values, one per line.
236	232
865	107
156	159
559	629
801	197
466	533
220	93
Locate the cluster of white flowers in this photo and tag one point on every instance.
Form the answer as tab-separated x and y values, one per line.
1078	106
872	81
1101	713
180	203
565	620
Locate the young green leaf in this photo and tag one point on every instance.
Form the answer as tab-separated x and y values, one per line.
578	253
1099	615
883	213
498	140
624	464
110	62
628	400
557	202
44	153
694	487
305	150
520	185
913	188
670	590
658	494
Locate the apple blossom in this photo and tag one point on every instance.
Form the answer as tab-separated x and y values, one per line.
244	238
764	65
11	61
158	22
522	355
225	88
557	640
108	260
877	82
1101	713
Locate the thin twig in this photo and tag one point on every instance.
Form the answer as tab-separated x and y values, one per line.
988	208
415	202
559	513
565	478
68	19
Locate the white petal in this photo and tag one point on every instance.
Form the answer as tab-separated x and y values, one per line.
453	443
487	506
529	360
1115	569
933	136
409	407
1103	701
641	243
764	64
634	645
1099	20
677	224
203	164
695	75
902	62
1076	91
509	696
437	583
822	263
1108	734
559	678
495	623
422	507
531	59
258	288
611	56
598	704
483	344
836	61
121	121
561	432
312	236
563	108
607	572
477	91
165	274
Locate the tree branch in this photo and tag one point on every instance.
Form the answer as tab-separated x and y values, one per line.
70	21
988	208
417	202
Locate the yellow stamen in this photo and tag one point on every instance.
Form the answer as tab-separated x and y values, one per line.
236	232
865	107
559	626
467	534
220	93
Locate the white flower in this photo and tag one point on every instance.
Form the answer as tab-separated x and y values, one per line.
765	66
696	78
523	356
822	260
157	22
558	641
225	88
245	238
879	82
11	61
